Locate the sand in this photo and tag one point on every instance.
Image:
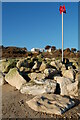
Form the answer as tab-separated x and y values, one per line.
14	106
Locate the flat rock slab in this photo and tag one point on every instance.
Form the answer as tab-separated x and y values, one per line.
50	103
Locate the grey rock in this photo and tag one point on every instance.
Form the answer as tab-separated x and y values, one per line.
50	103
63	82
38	87
67	87
14	78
69	74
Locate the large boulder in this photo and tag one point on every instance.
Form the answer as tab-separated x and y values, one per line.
69	74
14	78
38	87
51	104
63	82
38	76
67	87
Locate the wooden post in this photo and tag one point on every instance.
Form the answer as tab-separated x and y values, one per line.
62	36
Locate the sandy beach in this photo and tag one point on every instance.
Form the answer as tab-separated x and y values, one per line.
14	106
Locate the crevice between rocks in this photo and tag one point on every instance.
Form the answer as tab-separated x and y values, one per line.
58	91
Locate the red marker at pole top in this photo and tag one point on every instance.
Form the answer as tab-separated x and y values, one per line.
62	9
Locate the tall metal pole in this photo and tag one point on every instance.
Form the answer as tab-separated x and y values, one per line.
62	36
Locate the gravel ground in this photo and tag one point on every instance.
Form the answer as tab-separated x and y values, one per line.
14	106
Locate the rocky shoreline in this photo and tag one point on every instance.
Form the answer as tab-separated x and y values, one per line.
53	84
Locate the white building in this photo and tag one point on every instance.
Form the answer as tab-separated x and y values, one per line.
37	50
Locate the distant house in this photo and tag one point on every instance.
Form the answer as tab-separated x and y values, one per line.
37	50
